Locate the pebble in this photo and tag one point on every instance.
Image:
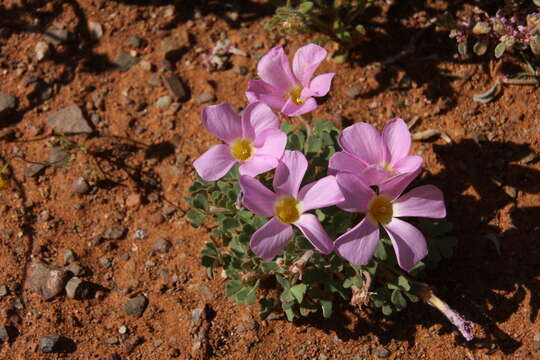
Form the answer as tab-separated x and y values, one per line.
105	262
114	232
56	36
133	200
206	97
49	344
354	92
58	157
95	29
69	256
69	120
381	352
139	234
5	334
47	280
7	104
161	245
113	340
80	186
3	291
33	169
122	330
150	263
197	317
77	288
240	70
537	336
135	41
136	306
163	101
76	269
323	357
176	87
125	61
42	49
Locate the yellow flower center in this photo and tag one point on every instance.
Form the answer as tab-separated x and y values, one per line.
386	166
287	210
241	149
380	210
296	95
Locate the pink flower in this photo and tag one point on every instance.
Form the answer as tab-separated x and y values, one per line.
288	206
373	157
290	92
385	208
254	141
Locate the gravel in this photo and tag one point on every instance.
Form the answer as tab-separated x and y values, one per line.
125	61
136	306
69	120
50	344
381	352
176	87
161	245
115	232
46	280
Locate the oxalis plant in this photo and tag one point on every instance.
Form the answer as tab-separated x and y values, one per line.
305	216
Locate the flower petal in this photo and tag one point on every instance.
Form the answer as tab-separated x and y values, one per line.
258	164
289	173
357	194
259	90
319	86
394	186
408	164
257	198
291	109
321	193
360	243
374	175
214	163
397	138
364	141
345	162
409	243
315	233
271	142
256	118
306	60
423	201
222	121
274	68
270	239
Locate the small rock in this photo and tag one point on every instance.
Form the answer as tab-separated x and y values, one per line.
354	92
3	291
51	343
240	70
373	105
69	256
76	269
139	234
7	104
33	169
42	50
206	97
162	245
136	306
146	65
113	340
47	280
5	336
58	157
125	61
105	262
17	303
135	41
95	29
323	357
150	263
381	352
176	87
69	120
171	49
122	330
77	288
133	200
56	36
80	186
114	233
537	336
163	101
197	317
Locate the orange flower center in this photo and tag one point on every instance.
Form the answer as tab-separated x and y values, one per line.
287	209
241	149
296	95
380	210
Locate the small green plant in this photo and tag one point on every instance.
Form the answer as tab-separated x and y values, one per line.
337	20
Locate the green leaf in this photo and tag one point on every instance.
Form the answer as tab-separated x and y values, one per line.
387	310
326	306
320	215
269	267
500	49
356	281
267	307
381	251
196	217
286	127
233	287
290	314
487	96
200	201
298	292
398	300
305	7
229	224
251	296
314	144
404	283
208	261
462	48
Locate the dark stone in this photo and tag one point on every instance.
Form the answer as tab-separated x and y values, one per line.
162	245
176	87
125	61
51	344
114	233
69	120
58	157
78	289
240	70
354	92
47	280
80	186
136	306
7	104
57	36
33	169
